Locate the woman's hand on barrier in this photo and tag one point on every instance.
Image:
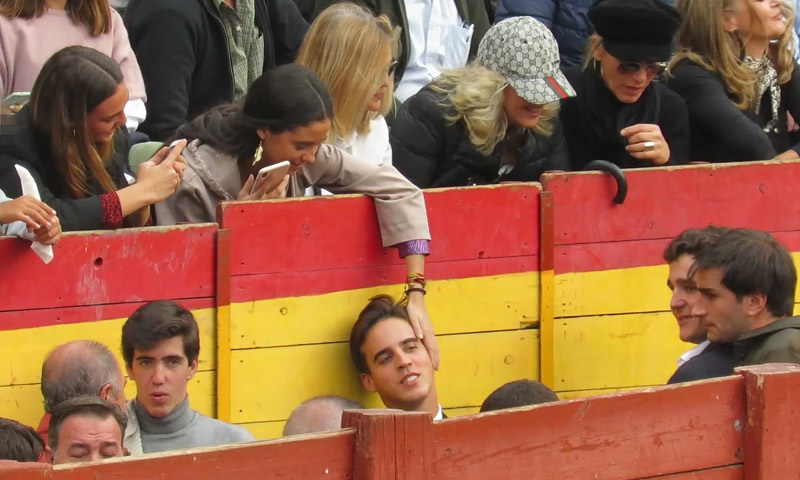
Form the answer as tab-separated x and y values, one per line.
423	328
35	213
49	234
646	142
160	175
271	187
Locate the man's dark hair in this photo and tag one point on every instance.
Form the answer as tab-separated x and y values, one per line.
379	308
753	262
19	442
692	242
518	394
88	406
84	372
157	321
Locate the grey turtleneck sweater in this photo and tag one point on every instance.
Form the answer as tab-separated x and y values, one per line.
183	428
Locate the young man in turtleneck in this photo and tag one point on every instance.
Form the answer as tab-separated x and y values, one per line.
160	345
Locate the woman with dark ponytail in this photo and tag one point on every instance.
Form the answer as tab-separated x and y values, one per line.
287	116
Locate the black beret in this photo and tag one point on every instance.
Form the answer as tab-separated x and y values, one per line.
640	30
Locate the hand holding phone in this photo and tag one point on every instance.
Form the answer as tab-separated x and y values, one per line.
275	171
270	182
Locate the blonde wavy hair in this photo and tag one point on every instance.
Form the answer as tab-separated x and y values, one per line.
702	39
341	47
476	94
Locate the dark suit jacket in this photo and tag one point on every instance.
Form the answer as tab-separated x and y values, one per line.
715	361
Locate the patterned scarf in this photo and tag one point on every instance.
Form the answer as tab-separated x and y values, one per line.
766	79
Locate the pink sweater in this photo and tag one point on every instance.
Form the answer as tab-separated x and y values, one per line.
25	44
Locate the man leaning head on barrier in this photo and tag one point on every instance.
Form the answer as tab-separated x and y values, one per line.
161	346
708	359
86	429
392	361
746	282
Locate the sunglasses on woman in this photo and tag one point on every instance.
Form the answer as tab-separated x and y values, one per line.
631	67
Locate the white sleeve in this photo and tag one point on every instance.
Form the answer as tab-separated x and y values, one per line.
136	112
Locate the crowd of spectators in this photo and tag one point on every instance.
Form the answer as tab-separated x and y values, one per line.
384	98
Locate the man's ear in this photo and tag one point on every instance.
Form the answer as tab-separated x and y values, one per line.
129	371
366	381
755	303
192	369
105	392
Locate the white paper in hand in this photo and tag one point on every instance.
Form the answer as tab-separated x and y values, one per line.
30	189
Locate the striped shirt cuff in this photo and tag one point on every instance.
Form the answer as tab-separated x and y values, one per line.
414	247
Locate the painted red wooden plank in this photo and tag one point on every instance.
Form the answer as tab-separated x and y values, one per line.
771	435
10	470
100	268
13	320
390	445
663	201
342	232
733	472
248	288
323	456
624	436
594	257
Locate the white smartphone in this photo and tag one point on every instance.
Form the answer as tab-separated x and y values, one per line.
17	98
278	169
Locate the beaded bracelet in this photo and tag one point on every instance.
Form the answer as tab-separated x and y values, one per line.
415	289
417	278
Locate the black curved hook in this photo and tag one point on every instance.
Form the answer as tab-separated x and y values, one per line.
614	171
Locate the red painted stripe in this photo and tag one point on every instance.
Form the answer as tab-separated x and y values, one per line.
333	233
629	254
102	268
86	314
248	288
662	202
557	87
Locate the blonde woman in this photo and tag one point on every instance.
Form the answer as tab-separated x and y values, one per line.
734	69
494	120
354	54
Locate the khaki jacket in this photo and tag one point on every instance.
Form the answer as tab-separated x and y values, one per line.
212	177
778	342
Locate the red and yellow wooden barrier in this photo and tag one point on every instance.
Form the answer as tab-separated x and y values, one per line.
741	427
278	285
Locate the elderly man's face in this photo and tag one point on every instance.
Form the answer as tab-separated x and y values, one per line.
86	438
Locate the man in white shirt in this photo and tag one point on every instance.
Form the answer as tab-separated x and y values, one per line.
707	359
436	35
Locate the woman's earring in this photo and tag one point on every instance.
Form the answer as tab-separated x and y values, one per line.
257	155
598	67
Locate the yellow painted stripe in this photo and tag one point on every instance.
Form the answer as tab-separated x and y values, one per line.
502	302
224	363
546	314
268	383
640	289
24	402
265	430
458	412
24	350
613	292
615	351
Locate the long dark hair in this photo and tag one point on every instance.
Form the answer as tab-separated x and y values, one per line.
282	99
71	84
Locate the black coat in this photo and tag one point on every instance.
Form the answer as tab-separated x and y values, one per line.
182	50
723	133
715	361
21	144
432	152
593	119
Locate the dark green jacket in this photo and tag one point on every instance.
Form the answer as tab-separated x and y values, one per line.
778	342
471	11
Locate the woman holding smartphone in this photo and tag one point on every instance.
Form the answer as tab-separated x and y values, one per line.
70	138
229	144
621	114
